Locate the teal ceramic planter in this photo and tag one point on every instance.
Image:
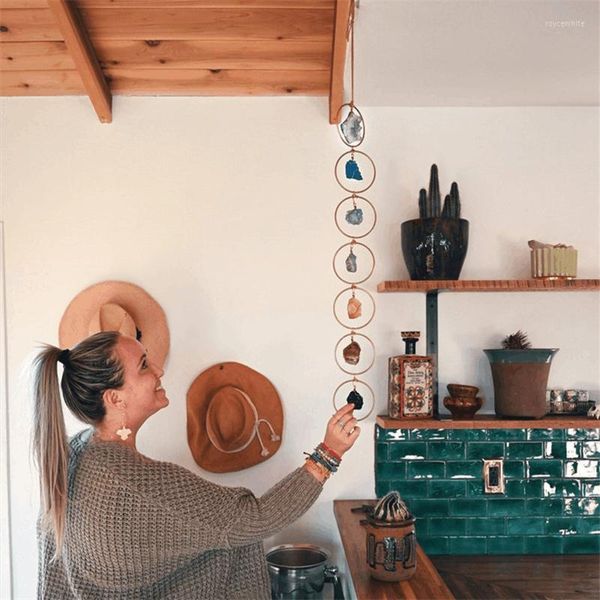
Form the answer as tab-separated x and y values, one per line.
520	380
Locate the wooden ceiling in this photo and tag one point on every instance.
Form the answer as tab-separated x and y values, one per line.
173	47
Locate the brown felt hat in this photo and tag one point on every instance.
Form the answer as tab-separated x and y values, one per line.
116	306
234	418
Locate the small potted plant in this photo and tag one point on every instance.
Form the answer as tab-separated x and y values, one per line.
520	375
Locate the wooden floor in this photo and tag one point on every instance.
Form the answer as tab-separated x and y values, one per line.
549	577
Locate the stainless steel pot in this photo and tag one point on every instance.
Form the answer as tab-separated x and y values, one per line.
299	571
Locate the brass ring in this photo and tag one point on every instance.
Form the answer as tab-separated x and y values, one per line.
352	153
354	334
356	237
354	380
353	326
351	244
338	119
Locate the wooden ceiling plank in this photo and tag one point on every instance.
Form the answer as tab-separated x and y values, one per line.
199	54
31	24
173	4
221	83
34	56
210	24
338	62
23	4
41	83
84	57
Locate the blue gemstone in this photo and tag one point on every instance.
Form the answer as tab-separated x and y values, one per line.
352	170
354	216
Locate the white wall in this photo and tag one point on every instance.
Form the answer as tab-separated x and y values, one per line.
222	210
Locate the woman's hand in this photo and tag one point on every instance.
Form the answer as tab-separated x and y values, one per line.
342	430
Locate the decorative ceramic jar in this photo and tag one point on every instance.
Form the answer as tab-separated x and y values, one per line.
463	401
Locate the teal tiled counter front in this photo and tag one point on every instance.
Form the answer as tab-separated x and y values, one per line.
551	503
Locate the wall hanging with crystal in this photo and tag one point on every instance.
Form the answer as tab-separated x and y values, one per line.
354	262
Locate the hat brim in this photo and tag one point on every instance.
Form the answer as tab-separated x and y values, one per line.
145	311
263	395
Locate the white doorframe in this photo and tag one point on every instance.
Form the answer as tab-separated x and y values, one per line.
5	533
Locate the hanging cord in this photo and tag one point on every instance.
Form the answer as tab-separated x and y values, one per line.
350	38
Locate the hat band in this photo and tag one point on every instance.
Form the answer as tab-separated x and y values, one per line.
255	430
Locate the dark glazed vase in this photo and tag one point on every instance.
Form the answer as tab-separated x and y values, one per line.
435	248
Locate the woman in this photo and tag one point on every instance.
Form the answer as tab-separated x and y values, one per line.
116	524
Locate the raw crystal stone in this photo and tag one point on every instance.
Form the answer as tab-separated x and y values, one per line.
352	170
352	128
355	398
354	216
354	308
351	262
352	353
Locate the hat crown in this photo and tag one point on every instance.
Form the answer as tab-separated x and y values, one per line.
230	420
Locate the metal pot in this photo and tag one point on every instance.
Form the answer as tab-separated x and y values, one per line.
298	571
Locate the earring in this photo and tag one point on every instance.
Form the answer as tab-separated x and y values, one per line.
124	432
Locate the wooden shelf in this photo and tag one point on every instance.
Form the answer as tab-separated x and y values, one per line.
490	422
490	285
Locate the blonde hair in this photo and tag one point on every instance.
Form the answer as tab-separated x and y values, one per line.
90	368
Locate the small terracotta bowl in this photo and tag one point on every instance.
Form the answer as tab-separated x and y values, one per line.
458	390
463	408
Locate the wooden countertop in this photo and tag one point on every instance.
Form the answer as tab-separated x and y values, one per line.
426	584
490	422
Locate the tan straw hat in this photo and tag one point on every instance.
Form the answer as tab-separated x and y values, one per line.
234	418
116	306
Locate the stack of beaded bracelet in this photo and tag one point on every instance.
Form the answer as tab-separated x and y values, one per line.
325	459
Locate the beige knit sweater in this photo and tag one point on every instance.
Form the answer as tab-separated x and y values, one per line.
138	528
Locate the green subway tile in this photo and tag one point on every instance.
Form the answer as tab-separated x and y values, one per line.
544	468
582	468
505	507
588	525
589	507
390	435
447	526
421	527
546	507
514	468
506	435
387	470
382	488
505	545
524	450
545	434
426	470
583	434
468	434
590	449
467	545
582	544
447	489
573	449
486	526
590	488
534	488
478	450
467	507
410	489
427	434
446	450
543	544
557	449
408	450
561	526
381	450
464	470
515	488
560	487
429	508
524	526
434	545
475	488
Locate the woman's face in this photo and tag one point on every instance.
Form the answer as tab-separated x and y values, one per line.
142	390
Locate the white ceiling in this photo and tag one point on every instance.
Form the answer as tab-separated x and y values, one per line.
477	53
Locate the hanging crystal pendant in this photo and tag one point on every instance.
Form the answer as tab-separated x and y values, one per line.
354	216
352	170
352	128
354	308
352	353
355	398
351	262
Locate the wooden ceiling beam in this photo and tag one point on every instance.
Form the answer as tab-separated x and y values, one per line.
84	57
338	59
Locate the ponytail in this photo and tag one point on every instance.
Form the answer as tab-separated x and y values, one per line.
50	443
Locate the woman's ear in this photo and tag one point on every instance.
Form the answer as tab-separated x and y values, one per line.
112	399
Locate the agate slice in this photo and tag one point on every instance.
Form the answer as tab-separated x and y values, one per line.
354	216
355	398
352	170
353	129
352	353
351	262
354	308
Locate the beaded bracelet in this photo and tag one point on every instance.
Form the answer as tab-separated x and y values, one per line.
327	458
328	454
324	472
318	458
331	452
